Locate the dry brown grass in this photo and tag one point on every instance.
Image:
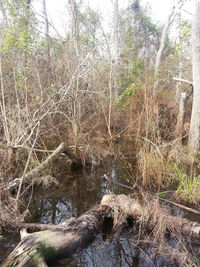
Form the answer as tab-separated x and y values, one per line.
153	165
159	235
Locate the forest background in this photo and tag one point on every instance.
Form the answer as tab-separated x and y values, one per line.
97	85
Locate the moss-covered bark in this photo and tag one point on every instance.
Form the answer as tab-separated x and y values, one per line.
38	248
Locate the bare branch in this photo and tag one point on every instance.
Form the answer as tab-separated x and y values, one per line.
182	80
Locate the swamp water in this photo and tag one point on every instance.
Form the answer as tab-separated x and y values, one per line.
77	192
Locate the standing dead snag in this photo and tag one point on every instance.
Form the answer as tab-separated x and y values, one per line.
40	247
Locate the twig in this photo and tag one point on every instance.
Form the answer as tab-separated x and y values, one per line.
181	206
182	80
26	167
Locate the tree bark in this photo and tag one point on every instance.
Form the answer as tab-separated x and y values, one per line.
194	133
33	174
166	27
46	23
74	8
115	49
37	249
62	148
160	50
180	118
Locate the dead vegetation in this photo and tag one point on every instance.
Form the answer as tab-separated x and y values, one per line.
68	96
154	226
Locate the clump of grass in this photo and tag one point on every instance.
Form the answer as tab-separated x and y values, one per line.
189	186
154	167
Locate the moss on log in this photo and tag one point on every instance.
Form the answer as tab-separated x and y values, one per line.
37	249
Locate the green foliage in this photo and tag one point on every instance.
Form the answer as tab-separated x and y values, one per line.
184	42
130	87
135	5
189	186
21	41
135	71
145	23
185	30
125	98
138	31
90	23
18	36
86	25
86	41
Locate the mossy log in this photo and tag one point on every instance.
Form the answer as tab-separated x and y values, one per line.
39	248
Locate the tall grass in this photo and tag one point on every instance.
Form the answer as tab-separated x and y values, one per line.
189	186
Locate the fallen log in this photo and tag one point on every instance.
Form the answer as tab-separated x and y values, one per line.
34	173
39	248
62	148
151	214
10	225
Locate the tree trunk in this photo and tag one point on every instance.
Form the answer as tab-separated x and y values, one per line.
194	133
180	118
46	23
75	34
115	49
167	25
34	173
160	51
38	248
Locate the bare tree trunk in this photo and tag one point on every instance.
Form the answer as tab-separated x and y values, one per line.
167	25
75	23
115	49
3	11
34	173
46	22
178	84
179	125
194	133
160	50
38	248
74	9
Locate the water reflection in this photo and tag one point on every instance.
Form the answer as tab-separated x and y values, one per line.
7	243
77	192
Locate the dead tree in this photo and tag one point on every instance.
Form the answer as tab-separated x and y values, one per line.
39	248
170	19
33	174
115	49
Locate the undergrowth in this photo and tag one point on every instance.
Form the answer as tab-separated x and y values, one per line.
189	186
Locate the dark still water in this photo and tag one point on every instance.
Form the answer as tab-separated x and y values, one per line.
77	192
